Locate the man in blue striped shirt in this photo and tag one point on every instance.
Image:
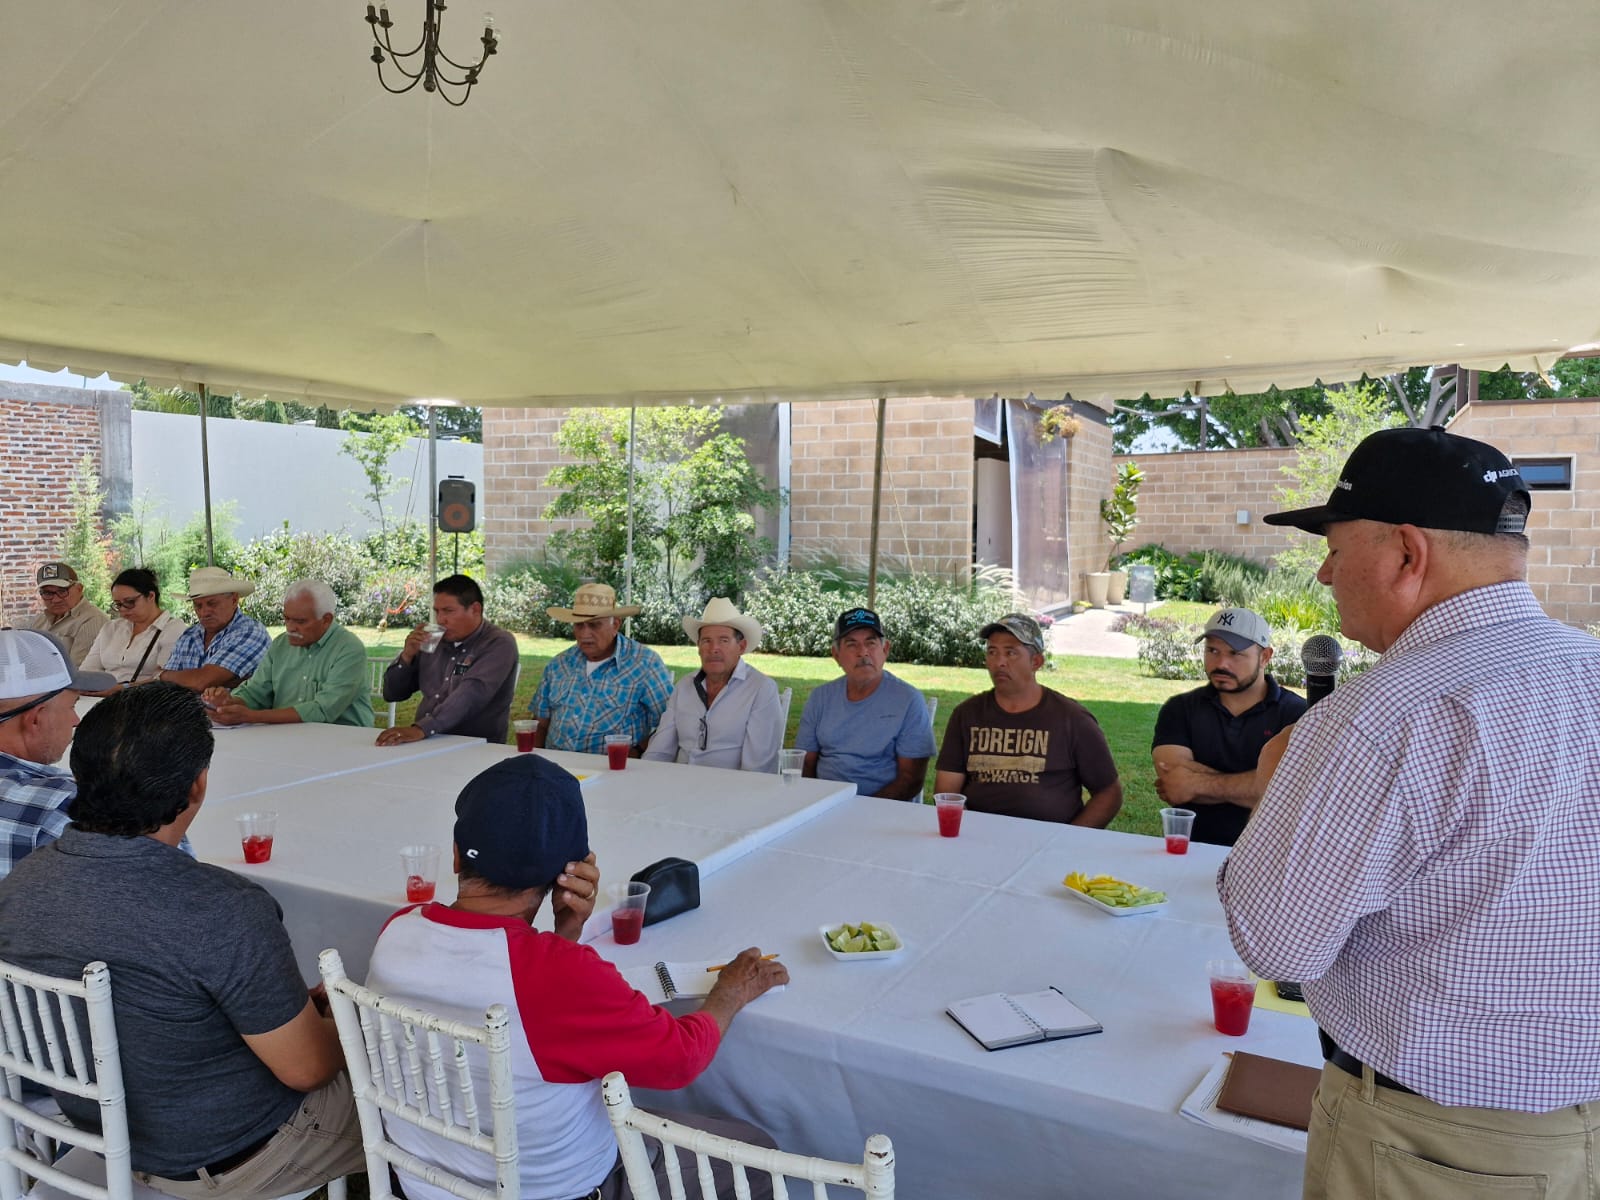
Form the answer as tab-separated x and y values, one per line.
606	683
223	647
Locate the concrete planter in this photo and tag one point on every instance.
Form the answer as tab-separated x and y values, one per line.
1099	588
1118	590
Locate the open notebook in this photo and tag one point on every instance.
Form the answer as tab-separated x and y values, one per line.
668	981
999	1019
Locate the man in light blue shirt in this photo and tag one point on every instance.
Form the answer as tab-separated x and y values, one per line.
726	714
867	728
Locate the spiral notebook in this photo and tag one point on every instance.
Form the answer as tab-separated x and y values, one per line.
669	981
999	1019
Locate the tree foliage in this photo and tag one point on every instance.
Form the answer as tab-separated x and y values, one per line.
85	545
694	499
1325	443
450	424
373	441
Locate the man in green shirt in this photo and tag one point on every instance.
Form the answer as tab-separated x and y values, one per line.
314	671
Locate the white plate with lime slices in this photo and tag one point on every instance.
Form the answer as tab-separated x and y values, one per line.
866	941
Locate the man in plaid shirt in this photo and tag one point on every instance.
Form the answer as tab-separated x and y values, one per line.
38	689
606	683
1426	856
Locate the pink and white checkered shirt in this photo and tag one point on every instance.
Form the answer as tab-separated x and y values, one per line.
1428	857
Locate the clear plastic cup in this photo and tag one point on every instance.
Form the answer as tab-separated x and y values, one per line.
950	806
435	636
791	763
1233	995
617	747
1177	824
421	867
256	831
627	914
525	731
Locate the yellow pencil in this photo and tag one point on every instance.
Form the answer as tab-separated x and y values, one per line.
719	966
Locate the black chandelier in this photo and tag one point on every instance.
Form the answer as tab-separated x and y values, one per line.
434	72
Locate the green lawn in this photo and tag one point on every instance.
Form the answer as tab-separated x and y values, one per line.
1123	700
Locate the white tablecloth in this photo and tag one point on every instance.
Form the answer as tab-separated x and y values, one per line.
335	865
855	1048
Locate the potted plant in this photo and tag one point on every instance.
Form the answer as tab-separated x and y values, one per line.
1121	514
1055	422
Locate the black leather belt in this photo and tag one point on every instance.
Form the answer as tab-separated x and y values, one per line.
224	1165
1352	1065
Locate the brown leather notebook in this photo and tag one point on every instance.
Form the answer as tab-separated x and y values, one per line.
1269	1089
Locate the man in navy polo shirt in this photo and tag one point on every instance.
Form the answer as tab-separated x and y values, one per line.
1207	741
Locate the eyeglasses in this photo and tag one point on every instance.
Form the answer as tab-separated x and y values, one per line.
126	605
53	593
705	733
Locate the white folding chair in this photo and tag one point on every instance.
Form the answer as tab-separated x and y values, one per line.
873	1176
933	708
785	698
407	1064
379	664
40	1040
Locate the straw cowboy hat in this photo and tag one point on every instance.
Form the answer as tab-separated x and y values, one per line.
214	581
720	611
593	600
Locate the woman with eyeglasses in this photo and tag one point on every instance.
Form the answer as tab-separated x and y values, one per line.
137	642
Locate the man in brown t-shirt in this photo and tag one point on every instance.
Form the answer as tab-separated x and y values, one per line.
1022	750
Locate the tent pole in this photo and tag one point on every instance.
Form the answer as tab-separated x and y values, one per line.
877	505
205	478
627	562
433	496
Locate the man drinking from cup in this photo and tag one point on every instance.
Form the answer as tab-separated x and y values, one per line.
466	671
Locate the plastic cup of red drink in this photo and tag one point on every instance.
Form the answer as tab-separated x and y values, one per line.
1177	824
617	747
627	912
421	867
525	731
1233	995
256	830
950	806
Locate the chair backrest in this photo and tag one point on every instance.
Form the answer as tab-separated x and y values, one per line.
933	708
41	1041
407	1064
785	698
873	1176
379	663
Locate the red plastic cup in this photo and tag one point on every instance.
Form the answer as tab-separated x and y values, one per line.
1233	995
950	806
617	747
256	830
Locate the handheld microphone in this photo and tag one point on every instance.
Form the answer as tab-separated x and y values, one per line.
1320	656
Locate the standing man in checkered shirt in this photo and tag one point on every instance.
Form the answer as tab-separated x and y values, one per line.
38	690
1426	856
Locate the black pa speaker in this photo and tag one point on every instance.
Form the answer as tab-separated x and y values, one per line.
458	505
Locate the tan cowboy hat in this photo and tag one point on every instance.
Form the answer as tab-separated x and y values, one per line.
720	611
593	600
214	581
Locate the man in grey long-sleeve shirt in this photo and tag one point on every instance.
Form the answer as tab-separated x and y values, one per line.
466	680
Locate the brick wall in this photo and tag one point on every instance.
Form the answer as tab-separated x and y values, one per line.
41	443
927	482
1089	475
1564	528
519	451
1190	501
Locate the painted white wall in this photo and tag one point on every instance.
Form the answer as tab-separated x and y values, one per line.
277	473
992	495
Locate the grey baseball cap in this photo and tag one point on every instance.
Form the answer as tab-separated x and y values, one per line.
1239	627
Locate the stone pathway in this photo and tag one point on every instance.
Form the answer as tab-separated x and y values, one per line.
1089	633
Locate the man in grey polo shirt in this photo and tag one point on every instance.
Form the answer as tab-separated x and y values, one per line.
234	1076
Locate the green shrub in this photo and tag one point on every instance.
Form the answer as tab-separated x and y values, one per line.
1177	577
393	599
282	557
517	600
795	611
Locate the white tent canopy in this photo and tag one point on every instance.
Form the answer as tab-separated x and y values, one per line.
799	199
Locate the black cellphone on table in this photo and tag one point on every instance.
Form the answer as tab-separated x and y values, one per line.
1290	991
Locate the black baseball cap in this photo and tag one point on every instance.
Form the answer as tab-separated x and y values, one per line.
521	822
1423	477
856	618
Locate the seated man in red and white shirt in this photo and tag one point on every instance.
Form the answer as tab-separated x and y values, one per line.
521	834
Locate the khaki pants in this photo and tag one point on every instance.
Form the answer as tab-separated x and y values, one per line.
1369	1141
321	1141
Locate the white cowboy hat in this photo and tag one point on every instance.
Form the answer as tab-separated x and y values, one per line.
720	611
214	581
593	600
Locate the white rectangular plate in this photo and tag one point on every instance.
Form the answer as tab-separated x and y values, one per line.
1111	910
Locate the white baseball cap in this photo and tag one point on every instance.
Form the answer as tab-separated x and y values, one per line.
33	663
1239	627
